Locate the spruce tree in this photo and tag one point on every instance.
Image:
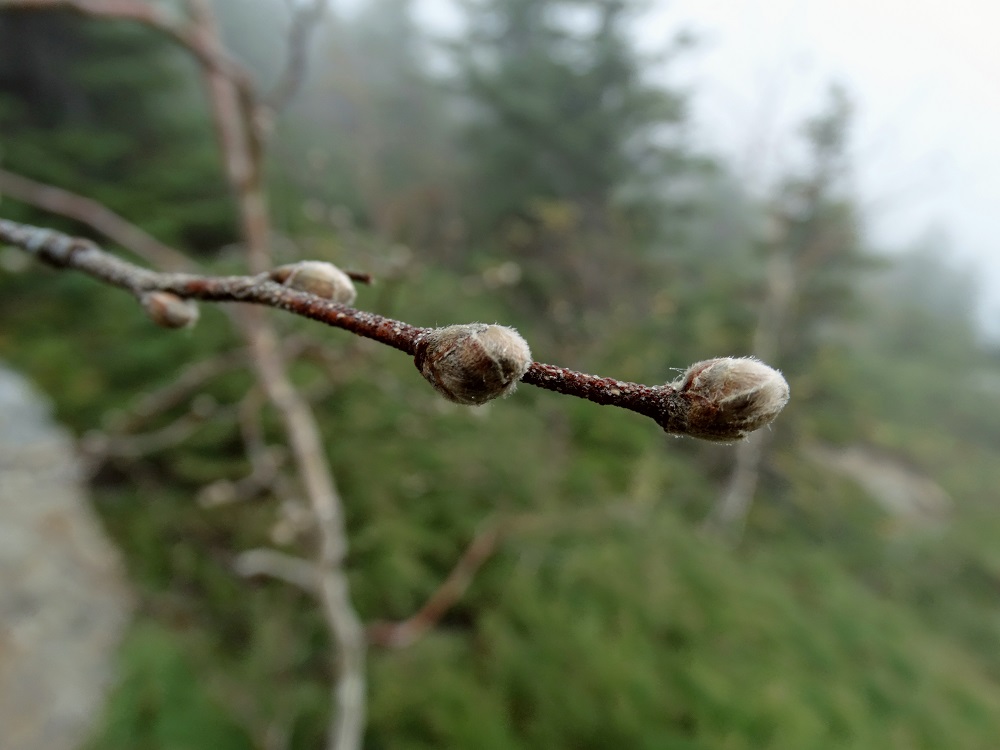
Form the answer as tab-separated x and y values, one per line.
572	151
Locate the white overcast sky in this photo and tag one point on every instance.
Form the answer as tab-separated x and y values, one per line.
925	78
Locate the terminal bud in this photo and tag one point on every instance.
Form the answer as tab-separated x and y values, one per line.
728	398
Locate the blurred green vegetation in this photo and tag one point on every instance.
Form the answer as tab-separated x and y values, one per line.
527	181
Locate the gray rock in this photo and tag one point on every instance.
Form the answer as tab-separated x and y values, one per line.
64	603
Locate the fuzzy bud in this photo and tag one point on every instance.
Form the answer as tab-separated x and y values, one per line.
728	398
168	310
472	364
317	277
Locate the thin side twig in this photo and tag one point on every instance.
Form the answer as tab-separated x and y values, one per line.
288	568
306	17
452	589
486	544
180	388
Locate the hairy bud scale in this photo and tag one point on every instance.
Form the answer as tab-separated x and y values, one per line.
725	399
474	363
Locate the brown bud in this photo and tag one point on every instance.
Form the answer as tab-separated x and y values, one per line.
317	277
726	399
472	364
168	310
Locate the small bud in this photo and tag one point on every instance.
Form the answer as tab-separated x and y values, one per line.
168	310
317	277
728	398
472	364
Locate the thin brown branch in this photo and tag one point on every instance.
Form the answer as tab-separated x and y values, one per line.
405	632
134	446
305	18
180	388
402	633
307	448
264	477
265	462
100	447
680	408
190	380
238	130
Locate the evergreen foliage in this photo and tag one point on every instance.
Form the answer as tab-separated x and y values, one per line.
135	135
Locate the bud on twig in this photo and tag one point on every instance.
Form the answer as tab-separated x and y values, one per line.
726	399
472	364
317	277
168	310
719	399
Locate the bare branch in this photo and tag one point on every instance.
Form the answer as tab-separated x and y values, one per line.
484	545
403	633
722	400
93	214
268	562
241	137
306	17
107	446
181	387
239	129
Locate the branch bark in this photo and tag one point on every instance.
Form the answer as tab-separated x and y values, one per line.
405	632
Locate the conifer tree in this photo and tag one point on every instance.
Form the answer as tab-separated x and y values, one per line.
572	151
127	135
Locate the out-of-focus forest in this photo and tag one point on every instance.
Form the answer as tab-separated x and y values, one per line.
833	582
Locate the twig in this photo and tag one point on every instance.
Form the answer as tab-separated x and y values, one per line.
668	405
177	390
104	446
93	214
239	127
402	633
268	562
405	632
304	21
